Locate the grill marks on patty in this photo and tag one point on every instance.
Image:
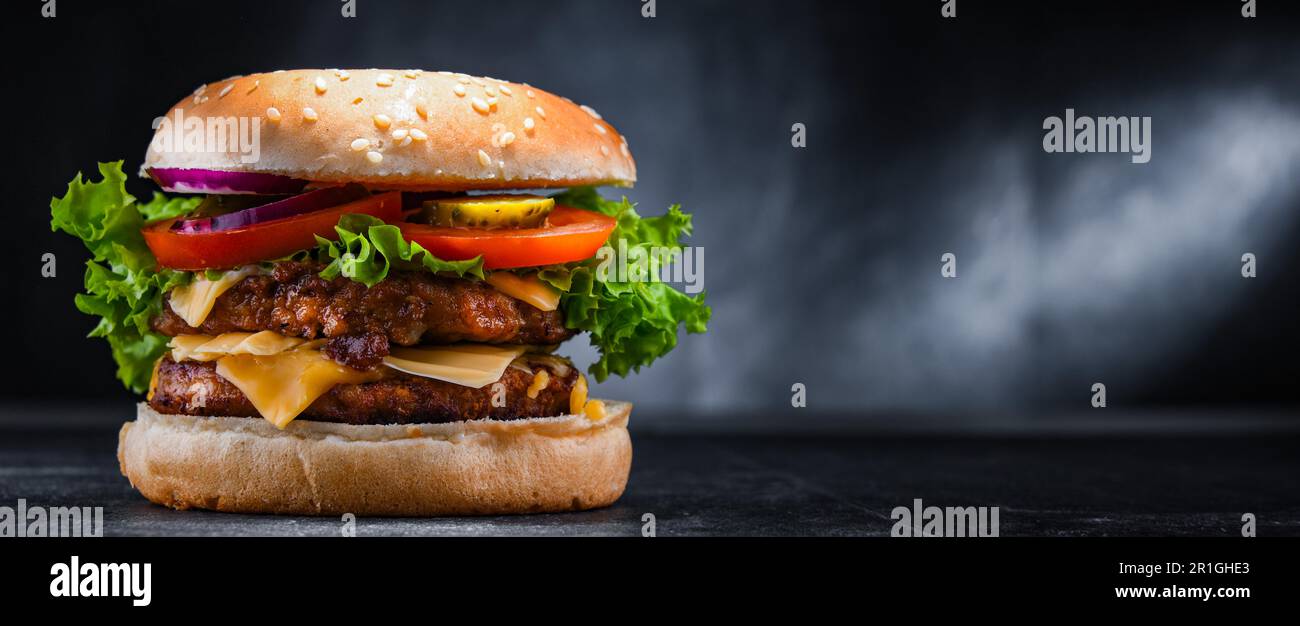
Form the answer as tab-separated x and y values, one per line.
407	308
195	388
362	352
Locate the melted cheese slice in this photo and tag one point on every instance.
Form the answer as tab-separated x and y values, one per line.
469	365
530	289
209	348
281	386
193	302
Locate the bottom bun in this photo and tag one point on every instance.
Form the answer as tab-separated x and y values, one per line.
479	467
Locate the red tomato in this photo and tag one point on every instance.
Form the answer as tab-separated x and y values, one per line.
570	235
260	242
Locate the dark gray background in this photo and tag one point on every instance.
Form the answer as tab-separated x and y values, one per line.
822	264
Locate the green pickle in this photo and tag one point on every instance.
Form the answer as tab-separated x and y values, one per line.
494	211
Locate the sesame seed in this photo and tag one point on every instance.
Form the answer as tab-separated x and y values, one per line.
225	90
479	105
604	150
464	80
506	90
490	90
320	85
343	75
501	164
418	134
530	93
492	103
357	100
374	157
421	110
399	134
412	73
360	143
590	111
484	159
309	114
600	129
540	112
507	138
406	141
254	87
273	114
384	80
529	124
202	88
382	121
622	147
459	89
477	81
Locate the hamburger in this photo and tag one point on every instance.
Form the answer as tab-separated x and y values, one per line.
348	295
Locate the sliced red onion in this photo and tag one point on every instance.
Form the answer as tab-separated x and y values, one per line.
218	182
289	207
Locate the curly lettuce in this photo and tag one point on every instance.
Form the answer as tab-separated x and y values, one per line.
123	284
631	323
368	248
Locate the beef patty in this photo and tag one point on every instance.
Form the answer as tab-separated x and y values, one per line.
407	308
195	388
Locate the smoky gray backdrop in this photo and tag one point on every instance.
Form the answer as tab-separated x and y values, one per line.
822	264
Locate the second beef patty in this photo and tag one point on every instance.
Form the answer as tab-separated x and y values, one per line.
195	388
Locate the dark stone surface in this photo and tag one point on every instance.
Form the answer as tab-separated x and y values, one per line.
782	485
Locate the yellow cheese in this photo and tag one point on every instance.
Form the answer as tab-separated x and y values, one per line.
580	405
183	346
223	344
469	365
578	397
530	289
595	410
194	301
540	380
208	348
281	386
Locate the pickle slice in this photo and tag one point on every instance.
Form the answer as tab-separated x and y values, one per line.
495	211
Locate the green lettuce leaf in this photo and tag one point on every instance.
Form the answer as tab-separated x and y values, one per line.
631	323
123	285
368	248
162	207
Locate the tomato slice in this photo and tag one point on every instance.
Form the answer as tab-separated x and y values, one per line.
260	242
570	235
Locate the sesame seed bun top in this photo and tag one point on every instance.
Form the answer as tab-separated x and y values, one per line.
398	129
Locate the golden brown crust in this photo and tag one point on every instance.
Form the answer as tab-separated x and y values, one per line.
493	146
482	467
